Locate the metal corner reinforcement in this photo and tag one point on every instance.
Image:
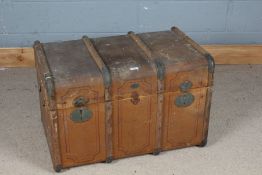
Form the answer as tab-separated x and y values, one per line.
210	62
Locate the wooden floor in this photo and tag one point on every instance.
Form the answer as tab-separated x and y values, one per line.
223	54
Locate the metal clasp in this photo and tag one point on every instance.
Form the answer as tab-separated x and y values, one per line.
185	86
81	115
80	101
184	100
135	98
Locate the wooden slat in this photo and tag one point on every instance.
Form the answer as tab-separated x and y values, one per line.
223	54
17	57
236	54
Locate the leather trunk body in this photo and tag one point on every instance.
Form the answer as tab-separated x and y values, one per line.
112	97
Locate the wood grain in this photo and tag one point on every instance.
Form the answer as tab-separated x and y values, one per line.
236	54
223	54
17	57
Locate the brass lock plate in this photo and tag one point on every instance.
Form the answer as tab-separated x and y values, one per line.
184	100
81	115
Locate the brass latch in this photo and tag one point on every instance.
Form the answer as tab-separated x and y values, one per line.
83	113
186	99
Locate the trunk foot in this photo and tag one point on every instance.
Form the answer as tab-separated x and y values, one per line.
109	159
203	143
58	168
156	152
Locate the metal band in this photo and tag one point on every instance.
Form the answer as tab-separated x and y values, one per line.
108	104
159	68
109	130
206	116
160	102
42	66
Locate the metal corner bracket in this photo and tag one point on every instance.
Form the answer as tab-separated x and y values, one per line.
211	63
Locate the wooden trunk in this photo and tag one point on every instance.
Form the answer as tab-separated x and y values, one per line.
120	96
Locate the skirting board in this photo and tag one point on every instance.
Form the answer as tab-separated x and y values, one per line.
223	54
17	57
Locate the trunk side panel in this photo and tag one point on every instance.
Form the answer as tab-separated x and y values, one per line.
48	112
184	126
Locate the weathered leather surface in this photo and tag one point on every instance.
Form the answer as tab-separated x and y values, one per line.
144	116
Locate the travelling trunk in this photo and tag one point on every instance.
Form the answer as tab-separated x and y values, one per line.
113	97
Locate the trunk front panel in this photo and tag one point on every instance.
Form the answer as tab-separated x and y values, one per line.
82	141
134	126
